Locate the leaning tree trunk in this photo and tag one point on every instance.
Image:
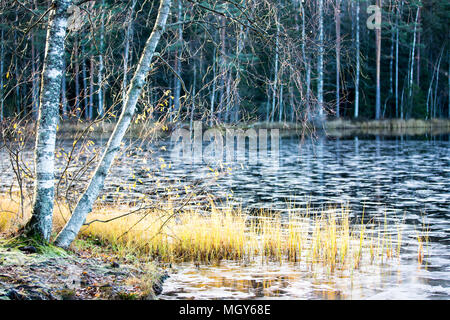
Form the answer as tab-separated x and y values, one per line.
40	224
84	205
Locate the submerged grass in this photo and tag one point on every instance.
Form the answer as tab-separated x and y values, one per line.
312	237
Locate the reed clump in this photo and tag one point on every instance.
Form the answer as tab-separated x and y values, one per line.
329	238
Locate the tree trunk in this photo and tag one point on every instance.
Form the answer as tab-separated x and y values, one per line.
85	87
378	60
320	63
126	54
275	72
338	54
17	70
305	59
177	94
191	119
34	81
63	91
411	76
213	89
397	40
40	224
91	90
356	114
77	78
100	61
84	205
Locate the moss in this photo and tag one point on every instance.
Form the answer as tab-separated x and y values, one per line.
127	296
41	247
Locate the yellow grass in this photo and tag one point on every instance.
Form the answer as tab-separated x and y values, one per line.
325	238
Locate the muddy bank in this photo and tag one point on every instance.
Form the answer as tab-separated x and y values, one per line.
28	275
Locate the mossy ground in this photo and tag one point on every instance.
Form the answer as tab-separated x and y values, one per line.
84	273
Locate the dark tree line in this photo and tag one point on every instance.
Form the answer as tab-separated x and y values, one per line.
236	60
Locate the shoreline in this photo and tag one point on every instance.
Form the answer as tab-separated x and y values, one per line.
87	272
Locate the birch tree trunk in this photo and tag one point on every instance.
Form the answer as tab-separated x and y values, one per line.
213	89
63	91
91	90
378	62
320	63
100	61
17	70
411	78
126	54
305	59
77	78
356	114
275	73
438	68
40	224
178	59
338	54
34	80
191	119
397	40
85	87
84	205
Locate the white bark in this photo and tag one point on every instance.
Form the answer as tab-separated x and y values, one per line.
413	55
213	90
177	94
378	62
40	224
356	114
100	61
338	54
275	73
86	202
397	40
320	63
126	54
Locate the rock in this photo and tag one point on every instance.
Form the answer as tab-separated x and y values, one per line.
28	249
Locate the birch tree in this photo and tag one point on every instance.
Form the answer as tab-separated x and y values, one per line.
338	54
378	62
100	61
320	62
40	224
126	53
356	113
86	202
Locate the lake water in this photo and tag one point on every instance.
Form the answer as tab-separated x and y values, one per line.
397	177
403	177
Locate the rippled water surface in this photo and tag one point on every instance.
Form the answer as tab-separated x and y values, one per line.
403	177
397	177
